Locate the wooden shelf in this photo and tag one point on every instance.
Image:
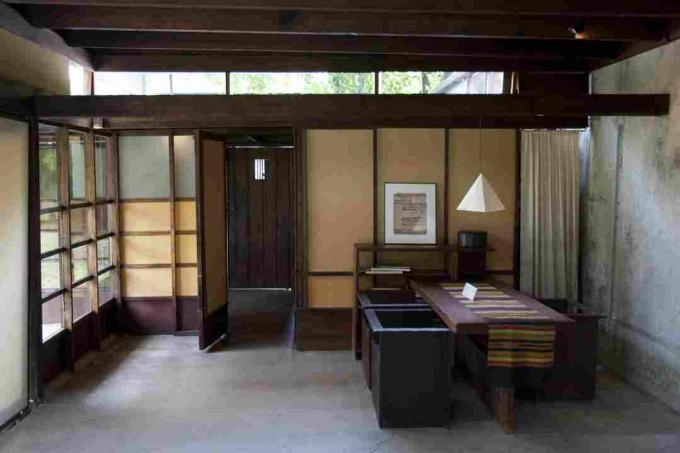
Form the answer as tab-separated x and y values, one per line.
368	247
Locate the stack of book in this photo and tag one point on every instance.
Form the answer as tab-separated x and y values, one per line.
388	270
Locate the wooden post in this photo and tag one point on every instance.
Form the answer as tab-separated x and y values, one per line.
64	159
92	261
114	219
173	230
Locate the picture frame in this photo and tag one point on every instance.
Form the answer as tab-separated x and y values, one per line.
410	213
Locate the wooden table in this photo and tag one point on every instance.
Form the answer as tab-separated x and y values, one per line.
465	323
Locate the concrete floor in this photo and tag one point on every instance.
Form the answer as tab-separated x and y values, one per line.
162	394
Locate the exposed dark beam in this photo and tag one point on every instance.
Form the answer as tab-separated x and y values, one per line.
111	60
14	23
372	23
344	110
343	44
607	8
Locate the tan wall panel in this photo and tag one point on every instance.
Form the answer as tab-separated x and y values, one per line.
340	196
145	216
147	282
215	227
330	292
499	162
187	281
185	215
146	249
29	65
414	156
186	249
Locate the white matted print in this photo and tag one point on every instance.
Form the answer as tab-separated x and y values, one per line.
410	213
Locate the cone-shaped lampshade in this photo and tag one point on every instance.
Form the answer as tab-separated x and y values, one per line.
481	198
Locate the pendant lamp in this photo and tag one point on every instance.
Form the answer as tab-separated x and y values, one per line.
481	197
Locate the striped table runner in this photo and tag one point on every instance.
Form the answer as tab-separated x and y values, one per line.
510	345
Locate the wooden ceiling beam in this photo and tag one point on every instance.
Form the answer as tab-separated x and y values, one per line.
112	60
76	17
236	42
587	8
344	110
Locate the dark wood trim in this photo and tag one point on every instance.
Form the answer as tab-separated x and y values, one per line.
13	22
85	204
140	60
144	200
146	266
375	188
300	240
188	265
350	44
106	269
501	272
145	233
185	232
52	210
103	202
149	315
52	253
604	8
82	281
323	329
106	236
75	245
330	273
328	22
216	325
49	297
353	110
114	180
200	216
35	389
518	208
173	242
178	199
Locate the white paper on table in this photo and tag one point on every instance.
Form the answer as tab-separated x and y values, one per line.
469	291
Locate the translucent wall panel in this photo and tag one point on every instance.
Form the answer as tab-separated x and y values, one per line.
144	167
185	173
81	300
102	168
52	317
13	268
77	169
415	82
105	288
49	169
155	83
49	232
301	83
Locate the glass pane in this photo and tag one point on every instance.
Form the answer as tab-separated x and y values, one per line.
199	83
105	288
118	83
301	83
79	263
49	232
52	317
144	166
410	82
77	170
49	167
185	176
103	253
81	300
50	275
102	165
103	225
76	75
471	83
79	225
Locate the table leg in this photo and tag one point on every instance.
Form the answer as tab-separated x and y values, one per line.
503	407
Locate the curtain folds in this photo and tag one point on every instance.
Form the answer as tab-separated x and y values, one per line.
549	214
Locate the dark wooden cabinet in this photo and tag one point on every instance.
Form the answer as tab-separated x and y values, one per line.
410	367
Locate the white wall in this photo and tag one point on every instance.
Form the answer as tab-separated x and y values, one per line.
13	268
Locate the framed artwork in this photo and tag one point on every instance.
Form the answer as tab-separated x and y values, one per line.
410	213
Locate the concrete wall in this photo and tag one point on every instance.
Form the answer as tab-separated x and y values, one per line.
631	204
27	69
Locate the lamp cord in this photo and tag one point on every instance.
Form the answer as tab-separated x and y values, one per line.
480	147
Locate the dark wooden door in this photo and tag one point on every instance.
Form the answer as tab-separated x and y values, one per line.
260	250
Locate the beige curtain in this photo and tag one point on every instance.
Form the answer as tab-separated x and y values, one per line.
549	214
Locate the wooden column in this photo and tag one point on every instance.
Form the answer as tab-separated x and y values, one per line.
92	262
114	219
64	161
173	229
